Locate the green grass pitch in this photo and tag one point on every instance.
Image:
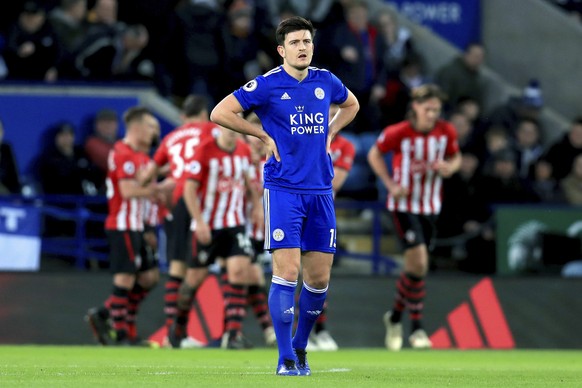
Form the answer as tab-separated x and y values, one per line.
84	366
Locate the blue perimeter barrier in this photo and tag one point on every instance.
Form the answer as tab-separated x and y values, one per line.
83	248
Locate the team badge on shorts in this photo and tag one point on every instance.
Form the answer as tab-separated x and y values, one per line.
278	234
410	236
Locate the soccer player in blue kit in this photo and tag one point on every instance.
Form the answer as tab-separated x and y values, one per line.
293	101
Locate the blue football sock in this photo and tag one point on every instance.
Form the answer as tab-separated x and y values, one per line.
282	308
311	303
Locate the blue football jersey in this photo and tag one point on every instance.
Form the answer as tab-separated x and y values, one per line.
295	114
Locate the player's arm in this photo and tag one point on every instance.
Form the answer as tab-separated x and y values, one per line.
449	166
346	113
132	188
255	196
193	205
378	165
339	177
227	113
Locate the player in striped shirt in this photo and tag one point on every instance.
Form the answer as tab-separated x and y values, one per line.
425	150
176	148
127	193
217	183
292	102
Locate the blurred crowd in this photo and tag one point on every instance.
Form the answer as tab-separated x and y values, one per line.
211	47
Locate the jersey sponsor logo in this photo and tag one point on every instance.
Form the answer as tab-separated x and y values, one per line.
285	96
307	123
250	86
278	234
129	168
319	93
225	184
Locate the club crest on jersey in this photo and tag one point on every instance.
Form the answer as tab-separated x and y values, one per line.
250	86
278	234
193	167
129	168
319	93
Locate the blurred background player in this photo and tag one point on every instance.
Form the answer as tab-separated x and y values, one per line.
425	150
257	293
177	147
342	153
127	195
216	184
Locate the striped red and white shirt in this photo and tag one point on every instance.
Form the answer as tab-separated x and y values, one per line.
178	146
414	156
221	175
343	152
123	163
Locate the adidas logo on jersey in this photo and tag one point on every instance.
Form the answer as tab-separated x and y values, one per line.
285	96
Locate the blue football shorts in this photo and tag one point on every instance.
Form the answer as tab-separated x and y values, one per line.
305	221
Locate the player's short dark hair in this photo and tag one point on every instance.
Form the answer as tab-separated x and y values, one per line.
426	92
194	104
135	113
292	24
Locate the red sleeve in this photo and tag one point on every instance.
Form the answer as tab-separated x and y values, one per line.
347	155
452	143
126	165
389	139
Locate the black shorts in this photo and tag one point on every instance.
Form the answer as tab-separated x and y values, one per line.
415	229
125	248
179	235
225	243
258	249
150	257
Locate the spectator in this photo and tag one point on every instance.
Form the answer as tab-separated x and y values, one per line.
526	106
572	183
528	146
464	128
63	167
462	76
196	48
500	185
394	97
398	40
496	139
103	21
241	48
355	55
100	143
545	186
68	22
561	154
116	58
32	50
9	178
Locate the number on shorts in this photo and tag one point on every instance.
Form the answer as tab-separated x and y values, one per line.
332	238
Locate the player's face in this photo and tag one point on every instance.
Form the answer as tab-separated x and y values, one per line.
297	50
149	129
427	113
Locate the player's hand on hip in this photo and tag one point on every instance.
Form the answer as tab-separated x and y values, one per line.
272	149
